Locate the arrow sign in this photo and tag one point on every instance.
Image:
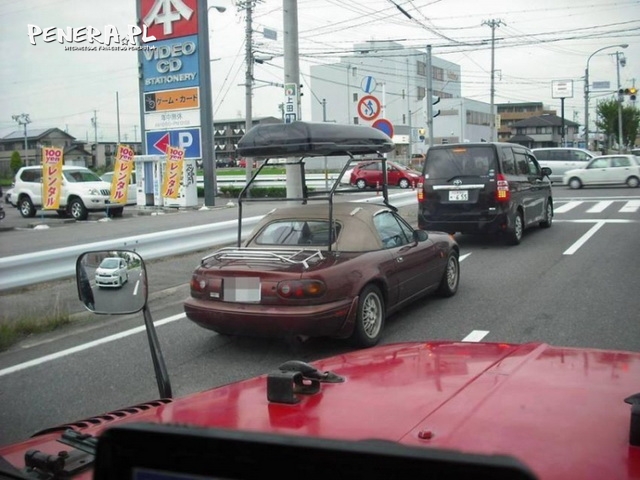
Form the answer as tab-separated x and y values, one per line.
162	143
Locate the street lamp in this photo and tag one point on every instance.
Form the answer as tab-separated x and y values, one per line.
586	92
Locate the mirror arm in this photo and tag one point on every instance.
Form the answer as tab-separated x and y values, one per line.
159	365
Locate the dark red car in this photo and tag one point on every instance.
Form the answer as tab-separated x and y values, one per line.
295	276
369	174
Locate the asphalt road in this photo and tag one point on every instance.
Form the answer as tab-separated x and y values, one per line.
574	284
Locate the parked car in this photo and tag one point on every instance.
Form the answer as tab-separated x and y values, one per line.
83	191
561	159
606	170
225	162
132	191
425	409
112	272
484	188
296	276
369	174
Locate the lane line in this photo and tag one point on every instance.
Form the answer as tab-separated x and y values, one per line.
630	207
86	346
566	207
600	207
582	240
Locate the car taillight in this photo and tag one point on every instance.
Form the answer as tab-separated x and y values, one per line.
301	288
420	189
503	194
198	283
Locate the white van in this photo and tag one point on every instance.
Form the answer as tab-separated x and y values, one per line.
562	159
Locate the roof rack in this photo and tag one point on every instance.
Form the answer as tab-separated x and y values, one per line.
300	140
295	256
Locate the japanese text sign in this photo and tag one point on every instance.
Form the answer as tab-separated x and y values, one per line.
173	172
52	161
121	174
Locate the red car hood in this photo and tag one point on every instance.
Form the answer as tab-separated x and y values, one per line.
560	411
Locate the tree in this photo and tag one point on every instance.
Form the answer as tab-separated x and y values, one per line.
607	120
15	163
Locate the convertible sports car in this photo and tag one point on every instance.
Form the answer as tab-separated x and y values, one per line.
295	276
328	269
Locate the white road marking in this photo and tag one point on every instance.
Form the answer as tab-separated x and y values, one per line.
566	207
86	346
462	257
582	240
600	207
631	206
476	336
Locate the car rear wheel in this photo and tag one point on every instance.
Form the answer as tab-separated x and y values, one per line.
361	184
403	183
548	215
514	235
633	182
370	318
575	183
77	209
26	207
450	277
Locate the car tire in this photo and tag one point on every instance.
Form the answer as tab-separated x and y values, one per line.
633	182
514	234
369	318
548	215
575	183
361	183
403	183
77	209
450	277
25	205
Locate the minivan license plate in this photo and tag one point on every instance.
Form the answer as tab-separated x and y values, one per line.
458	195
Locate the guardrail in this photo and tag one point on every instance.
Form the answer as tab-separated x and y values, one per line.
30	268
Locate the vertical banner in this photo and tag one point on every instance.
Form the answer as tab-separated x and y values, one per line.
173	172
121	174
52	161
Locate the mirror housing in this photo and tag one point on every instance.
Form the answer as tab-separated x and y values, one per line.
420	235
112	282
546	171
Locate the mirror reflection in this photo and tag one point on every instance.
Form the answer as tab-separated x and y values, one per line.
112	281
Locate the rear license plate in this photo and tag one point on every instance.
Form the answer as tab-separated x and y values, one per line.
458	195
238	289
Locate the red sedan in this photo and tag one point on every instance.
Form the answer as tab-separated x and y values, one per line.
287	282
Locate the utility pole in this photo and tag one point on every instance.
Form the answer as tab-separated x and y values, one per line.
94	122
493	24
118	115
429	96
292	77
23	119
248	5
620	62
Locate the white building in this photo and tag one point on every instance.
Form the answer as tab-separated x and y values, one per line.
395	77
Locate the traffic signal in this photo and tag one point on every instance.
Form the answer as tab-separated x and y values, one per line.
632	93
421	133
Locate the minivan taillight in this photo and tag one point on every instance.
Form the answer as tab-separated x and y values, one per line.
503	194
420	190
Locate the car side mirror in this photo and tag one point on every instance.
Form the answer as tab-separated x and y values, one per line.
107	287
546	171
420	235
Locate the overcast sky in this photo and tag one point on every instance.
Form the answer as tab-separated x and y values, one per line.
536	42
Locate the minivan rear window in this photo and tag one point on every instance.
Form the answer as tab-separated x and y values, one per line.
447	163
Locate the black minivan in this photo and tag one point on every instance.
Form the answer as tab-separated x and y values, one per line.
486	187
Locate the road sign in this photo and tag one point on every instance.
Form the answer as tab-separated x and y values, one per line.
384	125
187	138
368	84
369	107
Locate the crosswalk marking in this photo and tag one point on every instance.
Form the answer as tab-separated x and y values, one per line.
599	207
629	206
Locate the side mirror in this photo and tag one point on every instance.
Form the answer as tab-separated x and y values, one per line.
112	281
546	171
420	235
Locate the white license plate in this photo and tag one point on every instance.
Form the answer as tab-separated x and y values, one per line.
458	195
240	289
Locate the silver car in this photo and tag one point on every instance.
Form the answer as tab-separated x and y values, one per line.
112	272
561	159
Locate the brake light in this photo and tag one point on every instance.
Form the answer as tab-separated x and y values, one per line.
301	288
503	194
420	189
198	283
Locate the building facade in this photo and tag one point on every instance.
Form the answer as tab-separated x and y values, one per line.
510	113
